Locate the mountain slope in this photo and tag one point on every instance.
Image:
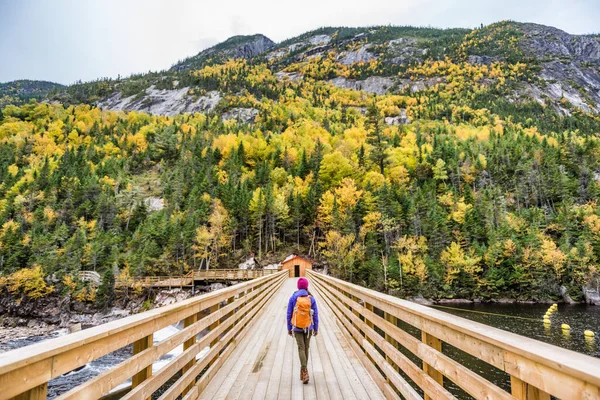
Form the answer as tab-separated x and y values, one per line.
562	70
446	163
18	92
245	47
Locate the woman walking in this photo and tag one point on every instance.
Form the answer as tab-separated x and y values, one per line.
302	323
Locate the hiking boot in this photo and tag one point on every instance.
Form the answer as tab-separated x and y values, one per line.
304	375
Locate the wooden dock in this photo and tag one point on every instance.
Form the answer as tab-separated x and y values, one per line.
234	345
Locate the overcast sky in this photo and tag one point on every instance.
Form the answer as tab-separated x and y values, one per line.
67	40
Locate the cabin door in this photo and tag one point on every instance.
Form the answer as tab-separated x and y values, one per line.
296	271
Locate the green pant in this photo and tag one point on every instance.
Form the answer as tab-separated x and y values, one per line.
303	339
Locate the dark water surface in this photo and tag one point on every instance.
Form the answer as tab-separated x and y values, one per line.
579	317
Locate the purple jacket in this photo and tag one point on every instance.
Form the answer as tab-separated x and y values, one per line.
290	311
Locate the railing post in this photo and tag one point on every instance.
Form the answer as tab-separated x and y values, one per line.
186	345
435	343
523	391
139	346
369	323
37	393
394	321
214	325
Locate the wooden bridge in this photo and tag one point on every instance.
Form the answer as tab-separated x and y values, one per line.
193	277
234	345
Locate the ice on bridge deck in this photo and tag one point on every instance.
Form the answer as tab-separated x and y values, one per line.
265	364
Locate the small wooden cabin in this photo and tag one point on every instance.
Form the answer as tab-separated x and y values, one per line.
296	265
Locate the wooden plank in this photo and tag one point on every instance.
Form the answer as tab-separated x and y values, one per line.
215	355
350	324
347	356
543	381
29	377
468	380
262	367
482	341
393	354
435	344
186	345
285	384
242	379
333	387
138	347
214	368
160	317
272	389
37	393
330	345
111	378
318	372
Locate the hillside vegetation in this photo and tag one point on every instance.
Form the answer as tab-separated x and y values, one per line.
451	182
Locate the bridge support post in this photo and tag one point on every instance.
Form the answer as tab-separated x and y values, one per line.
523	391
435	343
214	325
186	345
139	346
37	393
392	320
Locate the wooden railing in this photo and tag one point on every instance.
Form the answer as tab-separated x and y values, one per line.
233	274
90	276
373	323
187	280
224	315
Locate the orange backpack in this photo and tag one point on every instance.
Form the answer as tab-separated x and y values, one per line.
302	317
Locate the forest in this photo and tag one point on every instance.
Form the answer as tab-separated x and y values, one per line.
476	197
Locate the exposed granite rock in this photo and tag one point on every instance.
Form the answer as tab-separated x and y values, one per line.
154	203
482	60
543	41
360	55
292	76
564	292
254	48
405	50
373	84
421	300
317	40
166	297
246	115
592	295
162	102
401	119
570	66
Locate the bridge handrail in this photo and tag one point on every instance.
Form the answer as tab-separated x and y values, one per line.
225	313
370	320
90	276
182	280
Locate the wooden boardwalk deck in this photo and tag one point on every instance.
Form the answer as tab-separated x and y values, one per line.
265	363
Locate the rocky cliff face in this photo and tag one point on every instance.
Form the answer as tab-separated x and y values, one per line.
235	47
253	48
570	67
567	75
162	102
